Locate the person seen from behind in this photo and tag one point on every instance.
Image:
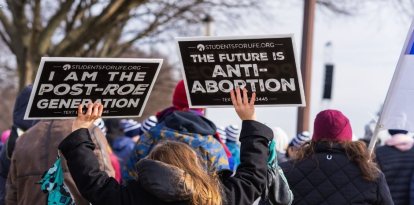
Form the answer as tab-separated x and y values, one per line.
112	156
173	173
124	145
183	124
19	126
282	142
396	160
332	169
296	144
36	151
232	139
4	137
222	138
369	132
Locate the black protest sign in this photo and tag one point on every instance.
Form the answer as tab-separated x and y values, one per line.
122	85
213	66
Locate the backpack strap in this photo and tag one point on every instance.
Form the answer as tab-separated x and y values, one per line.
277	189
272	160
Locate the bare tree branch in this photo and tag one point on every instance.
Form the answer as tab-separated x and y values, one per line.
95	27
333	7
6	23
19	17
19	32
402	7
35	30
44	38
111	41
5	39
78	14
152	26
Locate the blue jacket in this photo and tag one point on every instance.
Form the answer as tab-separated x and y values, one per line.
123	147
186	127
235	153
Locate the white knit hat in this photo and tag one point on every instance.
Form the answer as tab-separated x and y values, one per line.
222	134
281	138
101	125
148	123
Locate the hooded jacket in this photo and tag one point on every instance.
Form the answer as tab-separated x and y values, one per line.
162	187
36	151
187	127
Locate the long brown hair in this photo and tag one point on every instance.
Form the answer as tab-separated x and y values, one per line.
204	187
356	151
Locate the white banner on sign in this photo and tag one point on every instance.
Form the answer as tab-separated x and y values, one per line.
398	110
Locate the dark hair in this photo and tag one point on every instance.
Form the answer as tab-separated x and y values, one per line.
114	129
395	131
355	151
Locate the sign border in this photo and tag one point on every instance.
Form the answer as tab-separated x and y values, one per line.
81	59
218	38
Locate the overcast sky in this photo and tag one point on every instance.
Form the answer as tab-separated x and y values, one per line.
365	52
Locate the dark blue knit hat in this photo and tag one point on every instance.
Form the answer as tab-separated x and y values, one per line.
131	127
395	131
20	107
300	139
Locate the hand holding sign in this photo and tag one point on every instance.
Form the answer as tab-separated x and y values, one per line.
86	120
243	107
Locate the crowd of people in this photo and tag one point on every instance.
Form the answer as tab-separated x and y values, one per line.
178	156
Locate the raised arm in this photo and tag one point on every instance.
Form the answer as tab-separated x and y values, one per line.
95	185
250	179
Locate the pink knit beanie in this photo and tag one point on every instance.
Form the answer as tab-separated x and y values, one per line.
332	125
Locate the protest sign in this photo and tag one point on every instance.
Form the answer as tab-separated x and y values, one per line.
212	66
122	85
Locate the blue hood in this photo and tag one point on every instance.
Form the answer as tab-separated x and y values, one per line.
190	122
19	110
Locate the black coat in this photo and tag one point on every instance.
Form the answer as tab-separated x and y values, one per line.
242	188
329	177
398	168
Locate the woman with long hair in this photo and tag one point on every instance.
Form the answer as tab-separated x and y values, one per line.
173	173
332	169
